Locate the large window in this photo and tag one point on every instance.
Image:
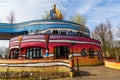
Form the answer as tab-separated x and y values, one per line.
61	52
34	53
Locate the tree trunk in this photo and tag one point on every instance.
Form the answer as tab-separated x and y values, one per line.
117	56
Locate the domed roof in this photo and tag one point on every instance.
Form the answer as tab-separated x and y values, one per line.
43	25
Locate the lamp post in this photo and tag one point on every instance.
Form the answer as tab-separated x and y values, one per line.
47	36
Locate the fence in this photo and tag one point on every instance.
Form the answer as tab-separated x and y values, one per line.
44	68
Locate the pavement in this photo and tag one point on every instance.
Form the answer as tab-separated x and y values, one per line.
95	73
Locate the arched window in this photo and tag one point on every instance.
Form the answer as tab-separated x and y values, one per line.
99	55
91	52
83	52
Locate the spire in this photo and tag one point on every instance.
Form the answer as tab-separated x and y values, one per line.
55	14
54	8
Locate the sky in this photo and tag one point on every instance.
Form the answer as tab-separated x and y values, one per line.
96	11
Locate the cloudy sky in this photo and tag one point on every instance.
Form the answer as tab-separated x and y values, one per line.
96	11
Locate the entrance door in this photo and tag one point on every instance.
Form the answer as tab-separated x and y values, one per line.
61	52
34	53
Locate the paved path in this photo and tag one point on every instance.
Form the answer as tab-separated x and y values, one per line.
96	73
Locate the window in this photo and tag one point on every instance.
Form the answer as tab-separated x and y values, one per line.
55	31
37	32
83	52
63	33
80	34
61	52
91	52
34	53
31	32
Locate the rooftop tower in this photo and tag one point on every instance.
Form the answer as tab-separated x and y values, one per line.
55	13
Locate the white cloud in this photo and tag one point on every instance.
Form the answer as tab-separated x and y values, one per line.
101	13
87	5
25	9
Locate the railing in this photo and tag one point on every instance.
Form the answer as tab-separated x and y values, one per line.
49	67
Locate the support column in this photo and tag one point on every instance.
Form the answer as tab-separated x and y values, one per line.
20	40
47	41
71	65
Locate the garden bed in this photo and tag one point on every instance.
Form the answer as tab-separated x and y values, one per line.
33	72
112	63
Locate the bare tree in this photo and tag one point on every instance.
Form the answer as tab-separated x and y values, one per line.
63	13
78	19
117	44
103	33
110	41
118	32
47	16
11	17
2	51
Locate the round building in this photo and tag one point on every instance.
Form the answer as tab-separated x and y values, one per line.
52	39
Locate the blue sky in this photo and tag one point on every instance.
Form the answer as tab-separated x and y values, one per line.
96	11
